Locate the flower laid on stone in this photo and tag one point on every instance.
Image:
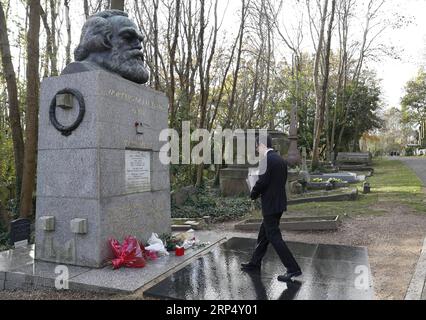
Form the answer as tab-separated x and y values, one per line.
129	254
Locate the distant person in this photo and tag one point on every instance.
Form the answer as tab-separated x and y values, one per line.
271	187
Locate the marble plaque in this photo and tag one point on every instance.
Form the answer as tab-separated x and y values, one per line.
138	171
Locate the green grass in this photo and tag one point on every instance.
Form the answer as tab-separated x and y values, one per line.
393	184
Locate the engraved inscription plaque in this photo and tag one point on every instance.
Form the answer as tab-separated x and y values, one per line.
138	171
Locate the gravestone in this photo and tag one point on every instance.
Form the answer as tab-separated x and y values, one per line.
304	173
20	232
304	156
233	178
354	159
99	169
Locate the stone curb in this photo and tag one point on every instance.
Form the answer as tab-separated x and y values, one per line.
418	280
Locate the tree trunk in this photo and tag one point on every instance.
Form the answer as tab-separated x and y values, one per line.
12	93
49	49
371	14
29	172
68	25
205	76
343	69
156	48
315	148
172	65
54	54
231	104
86	8
117	4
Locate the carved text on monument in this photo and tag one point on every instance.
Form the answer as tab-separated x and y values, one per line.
138	171
132	99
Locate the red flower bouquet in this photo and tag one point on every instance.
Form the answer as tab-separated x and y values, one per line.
129	254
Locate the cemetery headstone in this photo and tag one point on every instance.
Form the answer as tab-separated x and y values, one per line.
20	232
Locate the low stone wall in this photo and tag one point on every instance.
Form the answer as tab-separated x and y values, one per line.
352	195
346	158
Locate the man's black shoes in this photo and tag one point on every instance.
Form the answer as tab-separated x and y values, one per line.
250	267
289	276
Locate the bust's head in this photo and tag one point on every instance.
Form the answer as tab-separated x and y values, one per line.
112	41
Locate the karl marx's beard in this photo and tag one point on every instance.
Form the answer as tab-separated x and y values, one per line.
129	64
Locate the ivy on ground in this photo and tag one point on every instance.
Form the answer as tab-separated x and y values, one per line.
209	202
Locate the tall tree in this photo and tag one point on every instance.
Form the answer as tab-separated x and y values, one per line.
414	100
31	119
344	12
86	9
231	104
372	31
12	94
68	25
205	73
321	90
117	4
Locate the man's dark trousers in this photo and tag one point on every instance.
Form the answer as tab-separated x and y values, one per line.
270	233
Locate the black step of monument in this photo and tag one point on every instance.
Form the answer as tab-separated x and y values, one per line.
330	273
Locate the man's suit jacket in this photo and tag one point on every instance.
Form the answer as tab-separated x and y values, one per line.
271	185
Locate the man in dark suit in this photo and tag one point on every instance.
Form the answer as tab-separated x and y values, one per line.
271	187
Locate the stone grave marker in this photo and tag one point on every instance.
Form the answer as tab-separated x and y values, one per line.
20	232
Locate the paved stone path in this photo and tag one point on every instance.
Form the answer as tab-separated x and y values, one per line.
418	165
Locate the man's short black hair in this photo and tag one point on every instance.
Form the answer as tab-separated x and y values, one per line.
268	139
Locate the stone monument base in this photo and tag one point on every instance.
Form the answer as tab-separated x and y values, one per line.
104	179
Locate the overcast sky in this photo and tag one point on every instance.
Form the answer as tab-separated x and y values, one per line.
412	40
409	41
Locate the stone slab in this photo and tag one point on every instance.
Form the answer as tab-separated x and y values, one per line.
37	274
354	158
324	185
295	224
349	177
217	276
130	280
42	274
350	195
299	250
16	258
13	286
417	287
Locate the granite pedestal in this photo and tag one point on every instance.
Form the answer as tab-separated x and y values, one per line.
104	180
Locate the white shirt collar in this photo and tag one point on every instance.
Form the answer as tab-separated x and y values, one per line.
267	151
